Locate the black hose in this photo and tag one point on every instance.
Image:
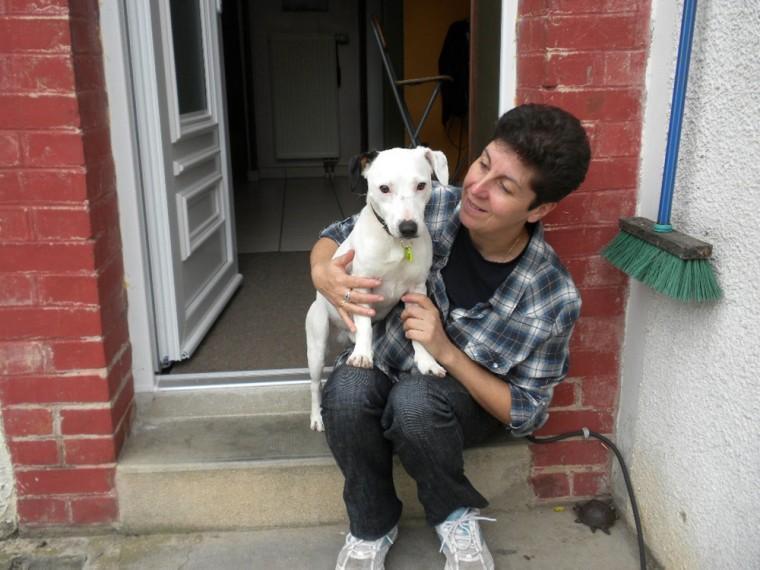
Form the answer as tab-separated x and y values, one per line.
585	433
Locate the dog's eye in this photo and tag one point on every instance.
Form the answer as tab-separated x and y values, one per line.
384	189
421	186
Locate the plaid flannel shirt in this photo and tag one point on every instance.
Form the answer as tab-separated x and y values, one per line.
521	334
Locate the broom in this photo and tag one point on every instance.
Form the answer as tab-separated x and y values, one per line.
667	260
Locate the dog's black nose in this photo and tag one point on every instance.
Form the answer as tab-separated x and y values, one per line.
408	228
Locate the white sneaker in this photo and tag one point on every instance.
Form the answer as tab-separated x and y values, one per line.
463	544
358	554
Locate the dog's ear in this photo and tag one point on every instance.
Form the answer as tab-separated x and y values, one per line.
438	164
356	167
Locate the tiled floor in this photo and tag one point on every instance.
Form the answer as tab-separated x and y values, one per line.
288	214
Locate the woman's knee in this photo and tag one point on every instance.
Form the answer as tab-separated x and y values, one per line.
351	388
414	407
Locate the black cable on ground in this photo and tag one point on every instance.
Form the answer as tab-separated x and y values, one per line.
585	433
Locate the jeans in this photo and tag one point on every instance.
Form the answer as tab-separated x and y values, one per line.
427	421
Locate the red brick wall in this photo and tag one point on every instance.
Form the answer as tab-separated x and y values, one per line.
65	363
589	57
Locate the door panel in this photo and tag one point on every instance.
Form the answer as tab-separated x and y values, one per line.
181	116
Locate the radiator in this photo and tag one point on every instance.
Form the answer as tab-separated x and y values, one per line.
304	96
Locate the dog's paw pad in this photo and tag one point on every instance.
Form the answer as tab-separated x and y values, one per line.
360	361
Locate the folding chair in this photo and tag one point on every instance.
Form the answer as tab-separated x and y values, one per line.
396	83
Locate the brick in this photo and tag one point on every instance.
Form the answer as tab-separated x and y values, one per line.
16	289
531	69
577	69
612	104
580	241
594	363
39	111
569	453
596	6
48	257
564	421
89	451
42	73
21	322
94	510
10	186
56	289
87	421
532	7
65	481
23	358
617	139
595	271
52	186
49	149
21	422
10	150
14	225
599	392
37	7
34	452
611	174
564	395
624	68
550	485
603	334
42	511
593	208
62	223
589	484
78	354
34	34
596	32
603	302
54	389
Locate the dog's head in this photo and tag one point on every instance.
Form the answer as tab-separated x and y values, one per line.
398	183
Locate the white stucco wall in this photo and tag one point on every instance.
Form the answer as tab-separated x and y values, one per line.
7	488
689	419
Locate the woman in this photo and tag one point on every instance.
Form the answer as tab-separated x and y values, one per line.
499	318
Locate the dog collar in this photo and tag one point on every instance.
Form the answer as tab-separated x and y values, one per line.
381	220
408	253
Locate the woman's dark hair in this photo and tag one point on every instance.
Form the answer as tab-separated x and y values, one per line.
552	143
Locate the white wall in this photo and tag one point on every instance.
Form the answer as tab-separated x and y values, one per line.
7	488
689	419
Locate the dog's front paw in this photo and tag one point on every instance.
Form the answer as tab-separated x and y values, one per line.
427	365
360	360
316	423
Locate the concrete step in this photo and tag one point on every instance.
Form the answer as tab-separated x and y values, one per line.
245	458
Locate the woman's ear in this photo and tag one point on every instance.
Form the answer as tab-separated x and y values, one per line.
540	211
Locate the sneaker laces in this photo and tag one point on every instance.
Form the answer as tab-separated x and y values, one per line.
360	549
458	534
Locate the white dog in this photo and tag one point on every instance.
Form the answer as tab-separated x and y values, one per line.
391	242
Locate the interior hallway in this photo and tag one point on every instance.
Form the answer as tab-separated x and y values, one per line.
277	221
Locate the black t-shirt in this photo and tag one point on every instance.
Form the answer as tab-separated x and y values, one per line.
469	278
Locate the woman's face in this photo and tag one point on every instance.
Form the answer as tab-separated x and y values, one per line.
497	193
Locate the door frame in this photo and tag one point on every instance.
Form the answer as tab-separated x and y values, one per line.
130	173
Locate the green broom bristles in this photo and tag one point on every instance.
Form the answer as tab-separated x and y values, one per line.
684	280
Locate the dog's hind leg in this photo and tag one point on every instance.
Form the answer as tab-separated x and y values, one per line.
317	337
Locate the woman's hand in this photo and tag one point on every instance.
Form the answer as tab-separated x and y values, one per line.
332	280
422	322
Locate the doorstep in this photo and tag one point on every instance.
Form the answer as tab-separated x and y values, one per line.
244	458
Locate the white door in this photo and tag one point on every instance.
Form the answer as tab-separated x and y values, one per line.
179	100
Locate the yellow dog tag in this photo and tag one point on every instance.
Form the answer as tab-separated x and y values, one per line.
408	255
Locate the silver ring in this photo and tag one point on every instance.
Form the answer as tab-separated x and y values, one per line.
347	296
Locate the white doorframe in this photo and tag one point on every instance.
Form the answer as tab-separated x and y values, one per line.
123	126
